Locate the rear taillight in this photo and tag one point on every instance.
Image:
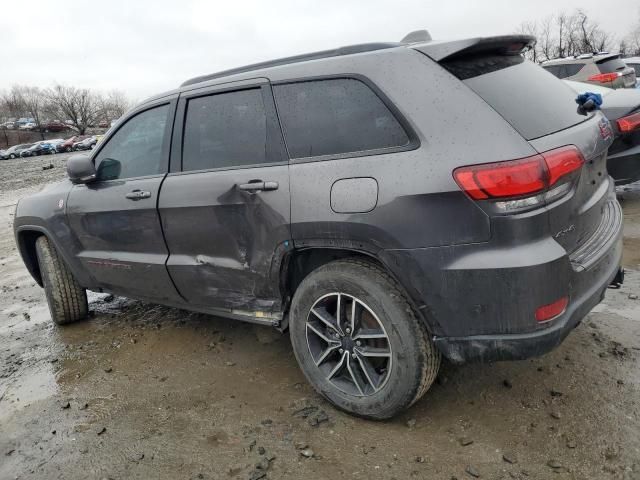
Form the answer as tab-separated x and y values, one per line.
522	178
629	123
552	310
604	77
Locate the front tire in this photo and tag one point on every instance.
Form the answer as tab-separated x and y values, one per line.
358	340
66	298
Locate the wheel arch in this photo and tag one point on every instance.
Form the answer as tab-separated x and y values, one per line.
26	241
299	263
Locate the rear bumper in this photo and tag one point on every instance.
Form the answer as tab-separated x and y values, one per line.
485	348
480	304
624	166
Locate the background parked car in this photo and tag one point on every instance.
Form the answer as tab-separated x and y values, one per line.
86	144
54	126
27	126
67	145
634	62
19	149
34	150
54	142
622	108
12	152
607	70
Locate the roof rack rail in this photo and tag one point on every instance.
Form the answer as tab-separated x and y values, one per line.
417	36
336	52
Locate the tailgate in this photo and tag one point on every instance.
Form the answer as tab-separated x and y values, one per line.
543	110
574	218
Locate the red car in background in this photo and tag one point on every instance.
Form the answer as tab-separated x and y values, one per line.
67	145
54	126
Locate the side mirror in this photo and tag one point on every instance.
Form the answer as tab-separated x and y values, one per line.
81	169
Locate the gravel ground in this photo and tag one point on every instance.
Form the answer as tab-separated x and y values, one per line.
144	391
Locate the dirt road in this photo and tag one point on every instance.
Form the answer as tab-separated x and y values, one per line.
143	391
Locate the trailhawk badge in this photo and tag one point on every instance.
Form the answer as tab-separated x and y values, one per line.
605	129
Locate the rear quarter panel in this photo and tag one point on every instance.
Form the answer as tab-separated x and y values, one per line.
418	204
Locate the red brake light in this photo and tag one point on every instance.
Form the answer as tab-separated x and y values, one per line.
629	123
562	161
502	179
604	77
547	312
518	178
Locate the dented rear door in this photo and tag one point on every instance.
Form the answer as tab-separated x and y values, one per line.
225	207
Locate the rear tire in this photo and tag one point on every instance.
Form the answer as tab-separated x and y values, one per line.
382	362
66	298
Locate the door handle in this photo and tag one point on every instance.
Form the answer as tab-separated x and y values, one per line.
258	185
138	195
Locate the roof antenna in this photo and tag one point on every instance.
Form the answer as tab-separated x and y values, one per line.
417	36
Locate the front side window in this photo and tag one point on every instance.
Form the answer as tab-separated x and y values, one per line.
335	116
135	150
225	130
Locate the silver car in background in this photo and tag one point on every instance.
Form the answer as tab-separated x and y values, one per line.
604	69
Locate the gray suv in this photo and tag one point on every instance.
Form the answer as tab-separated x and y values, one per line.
604	69
386	203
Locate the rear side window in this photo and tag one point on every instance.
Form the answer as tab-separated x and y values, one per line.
531	99
556	70
225	130
335	116
611	65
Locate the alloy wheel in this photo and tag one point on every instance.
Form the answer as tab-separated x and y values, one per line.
348	344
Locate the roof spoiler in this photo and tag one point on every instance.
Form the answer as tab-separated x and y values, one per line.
502	45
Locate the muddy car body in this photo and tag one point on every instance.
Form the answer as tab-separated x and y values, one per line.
388	203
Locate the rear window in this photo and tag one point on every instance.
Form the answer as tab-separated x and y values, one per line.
636	67
611	65
531	99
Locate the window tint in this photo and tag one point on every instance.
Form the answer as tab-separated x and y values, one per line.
326	117
554	69
225	130
572	68
136	148
553	109
566	70
611	65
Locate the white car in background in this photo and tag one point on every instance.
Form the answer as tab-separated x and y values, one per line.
634	62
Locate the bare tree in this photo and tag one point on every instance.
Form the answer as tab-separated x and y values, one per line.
114	105
13	102
633	39
79	105
33	100
564	35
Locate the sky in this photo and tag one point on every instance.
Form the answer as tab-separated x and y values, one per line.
144	47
